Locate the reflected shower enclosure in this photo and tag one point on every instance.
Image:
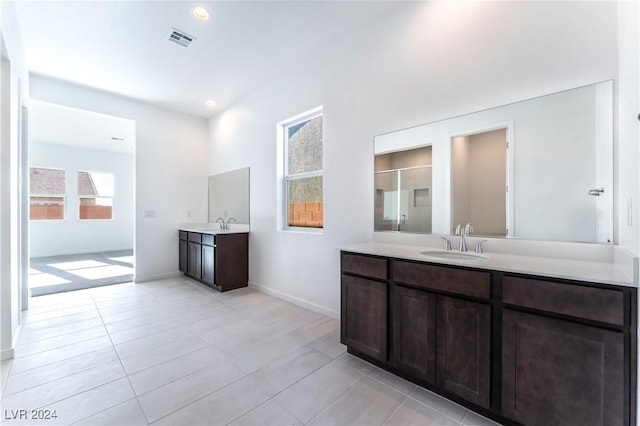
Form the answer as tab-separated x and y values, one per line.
403	191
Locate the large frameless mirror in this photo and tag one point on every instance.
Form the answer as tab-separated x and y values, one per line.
537	169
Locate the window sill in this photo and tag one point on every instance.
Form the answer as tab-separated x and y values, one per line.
301	230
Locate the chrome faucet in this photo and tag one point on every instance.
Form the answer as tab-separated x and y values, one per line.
463	231
225	226
447	243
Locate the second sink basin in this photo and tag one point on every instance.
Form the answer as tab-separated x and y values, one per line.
453	255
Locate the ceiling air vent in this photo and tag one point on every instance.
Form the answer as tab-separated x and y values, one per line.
180	37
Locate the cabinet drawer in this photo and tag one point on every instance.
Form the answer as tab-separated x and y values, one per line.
208	239
196	237
452	280
373	267
182	235
596	304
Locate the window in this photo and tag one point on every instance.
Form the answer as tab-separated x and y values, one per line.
95	195
46	194
302	171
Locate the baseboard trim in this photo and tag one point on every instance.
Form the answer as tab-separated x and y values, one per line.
145	278
296	301
6	354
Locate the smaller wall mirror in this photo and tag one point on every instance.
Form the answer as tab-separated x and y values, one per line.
403	191
229	196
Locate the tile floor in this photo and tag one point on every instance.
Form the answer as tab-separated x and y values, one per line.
174	352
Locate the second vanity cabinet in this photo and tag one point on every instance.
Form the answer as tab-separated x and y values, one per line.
522	349
220	261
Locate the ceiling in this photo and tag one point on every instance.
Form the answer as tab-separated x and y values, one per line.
55	124
122	46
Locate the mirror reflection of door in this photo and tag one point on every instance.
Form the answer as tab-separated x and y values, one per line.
403	191
479	182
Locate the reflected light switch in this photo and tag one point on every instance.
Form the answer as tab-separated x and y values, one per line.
149	213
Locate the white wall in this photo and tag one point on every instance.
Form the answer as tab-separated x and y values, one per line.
628	130
426	61
14	89
71	235
170	166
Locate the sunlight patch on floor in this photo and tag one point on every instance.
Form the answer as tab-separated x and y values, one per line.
79	264
124	259
102	272
40	280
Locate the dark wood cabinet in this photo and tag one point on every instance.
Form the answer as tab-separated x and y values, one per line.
444	341
220	261
558	372
365	326
518	348
183	262
414	332
208	264
464	349
364	292
194	260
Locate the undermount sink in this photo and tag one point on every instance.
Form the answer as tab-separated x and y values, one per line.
457	255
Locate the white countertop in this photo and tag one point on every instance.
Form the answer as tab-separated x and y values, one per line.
216	231
614	272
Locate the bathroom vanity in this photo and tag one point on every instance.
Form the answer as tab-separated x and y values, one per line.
523	340
219	260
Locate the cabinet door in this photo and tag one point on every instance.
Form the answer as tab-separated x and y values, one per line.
556	372
414	332
208	262
195	260
183	254
364	316
464	349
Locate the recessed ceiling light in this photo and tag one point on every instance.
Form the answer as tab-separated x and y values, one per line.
210	103
200	13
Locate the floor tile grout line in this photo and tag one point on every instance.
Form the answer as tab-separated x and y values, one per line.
124	370
126	319
389	386
109	408
31	315
436	409
156	348
63	377
63	321
200	398
339	396
80	393
260	405
63	359
396	410
75	394
237	380
28	333
61	346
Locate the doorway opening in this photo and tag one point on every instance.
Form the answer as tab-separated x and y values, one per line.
482	193
81	199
